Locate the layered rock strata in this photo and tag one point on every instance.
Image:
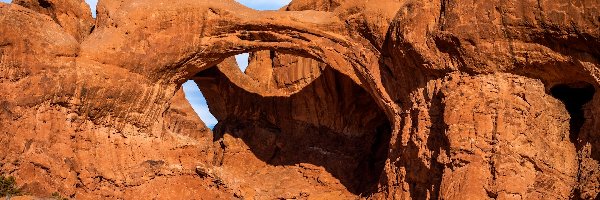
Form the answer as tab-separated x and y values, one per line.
341	99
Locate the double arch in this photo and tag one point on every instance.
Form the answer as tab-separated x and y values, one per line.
212	31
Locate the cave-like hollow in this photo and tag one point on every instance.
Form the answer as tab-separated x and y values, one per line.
328	120
574	96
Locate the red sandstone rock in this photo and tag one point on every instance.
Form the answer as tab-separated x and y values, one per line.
341	100
73	16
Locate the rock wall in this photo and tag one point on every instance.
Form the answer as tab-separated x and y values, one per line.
72	15
341	99
50	142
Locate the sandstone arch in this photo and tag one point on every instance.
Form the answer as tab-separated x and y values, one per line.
336	51
465	85
320	136
197	44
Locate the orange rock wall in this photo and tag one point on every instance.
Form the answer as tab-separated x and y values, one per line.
341	100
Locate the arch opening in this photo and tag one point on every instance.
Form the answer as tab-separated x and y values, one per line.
242	61
197	100
199	104
574	96
327	121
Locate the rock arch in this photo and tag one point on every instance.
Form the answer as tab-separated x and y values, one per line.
200	35
465	87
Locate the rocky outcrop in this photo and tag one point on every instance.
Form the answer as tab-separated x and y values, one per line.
341	99
73	16
51	145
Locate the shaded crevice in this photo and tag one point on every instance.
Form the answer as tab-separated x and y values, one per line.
574	96
45	4
373	164
424	174
438	142
355	156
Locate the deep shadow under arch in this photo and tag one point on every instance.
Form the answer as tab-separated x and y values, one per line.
332	122
574	96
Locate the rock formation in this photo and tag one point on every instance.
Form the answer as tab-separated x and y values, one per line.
342	99
73	16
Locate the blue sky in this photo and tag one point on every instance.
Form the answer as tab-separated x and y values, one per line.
192	93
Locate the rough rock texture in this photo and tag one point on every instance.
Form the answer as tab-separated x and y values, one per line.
73	16
298	138
51	144
342	99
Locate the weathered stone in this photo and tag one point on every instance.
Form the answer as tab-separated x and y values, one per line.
341	100
73	16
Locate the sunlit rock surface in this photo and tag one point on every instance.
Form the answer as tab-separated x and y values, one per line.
341	99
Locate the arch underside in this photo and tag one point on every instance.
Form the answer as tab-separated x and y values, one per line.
422	100
408	83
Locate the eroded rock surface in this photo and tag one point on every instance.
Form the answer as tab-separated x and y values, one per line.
73	16
341	100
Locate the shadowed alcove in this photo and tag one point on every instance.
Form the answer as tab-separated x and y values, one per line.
574	96
320	117
579	101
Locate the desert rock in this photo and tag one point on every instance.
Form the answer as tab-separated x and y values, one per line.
73	16
342	99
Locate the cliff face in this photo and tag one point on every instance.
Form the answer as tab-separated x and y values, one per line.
341	99
50	143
